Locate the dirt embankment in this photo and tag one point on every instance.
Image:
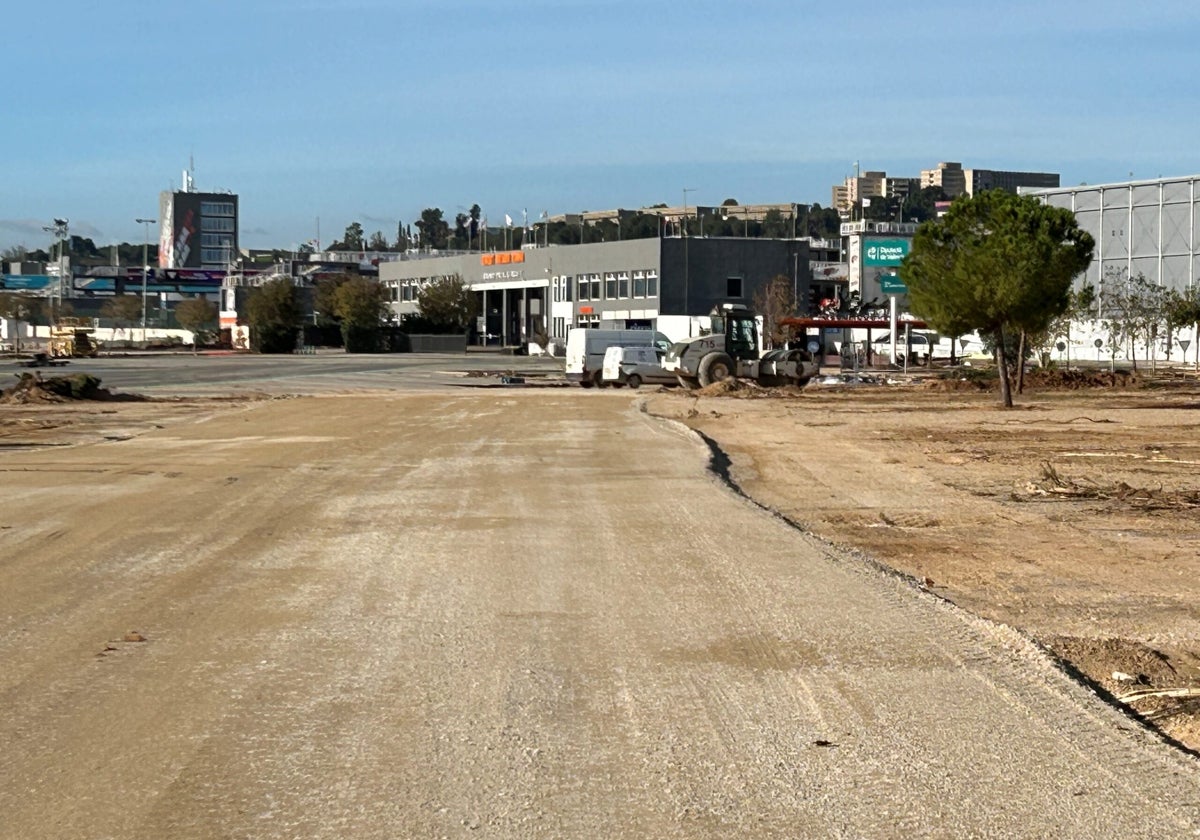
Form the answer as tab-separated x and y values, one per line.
1074	516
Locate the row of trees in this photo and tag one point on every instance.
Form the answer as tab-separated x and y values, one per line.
357	305
83	251
1004	265
197	315
469	231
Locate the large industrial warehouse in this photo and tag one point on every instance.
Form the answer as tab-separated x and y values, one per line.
1141	227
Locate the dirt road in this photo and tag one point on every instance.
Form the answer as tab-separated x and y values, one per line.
501	614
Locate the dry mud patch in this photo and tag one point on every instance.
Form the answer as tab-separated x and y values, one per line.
1074	516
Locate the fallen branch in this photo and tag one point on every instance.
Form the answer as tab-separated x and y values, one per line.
1143	693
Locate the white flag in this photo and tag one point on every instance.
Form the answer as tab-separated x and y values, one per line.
508	220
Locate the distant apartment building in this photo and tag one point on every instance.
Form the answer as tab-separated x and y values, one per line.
197	229
979	180
870	185
956	181
947	175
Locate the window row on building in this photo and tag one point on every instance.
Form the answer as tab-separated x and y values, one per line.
217	224
612	285
217	208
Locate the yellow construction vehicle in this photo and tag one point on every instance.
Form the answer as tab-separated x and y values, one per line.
72	338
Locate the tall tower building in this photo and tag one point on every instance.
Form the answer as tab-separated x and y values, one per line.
197	229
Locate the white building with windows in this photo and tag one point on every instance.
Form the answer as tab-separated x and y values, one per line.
655	284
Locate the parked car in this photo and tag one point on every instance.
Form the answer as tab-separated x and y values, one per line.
634	365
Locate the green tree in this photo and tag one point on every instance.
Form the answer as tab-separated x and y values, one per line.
1184	308
378	242
998	263
197	315
273	313
921	206
325	298
17	308
352	239
434	229
123	310
448	303
1134	310
360	306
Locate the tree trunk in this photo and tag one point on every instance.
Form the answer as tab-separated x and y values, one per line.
1002	369
1021	364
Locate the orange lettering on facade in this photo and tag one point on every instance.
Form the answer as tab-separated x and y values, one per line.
503	259
487	259
585	310
518	256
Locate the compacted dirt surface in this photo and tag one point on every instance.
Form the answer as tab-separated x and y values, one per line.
539	612
1074	516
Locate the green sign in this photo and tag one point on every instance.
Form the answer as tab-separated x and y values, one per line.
884	251
891	284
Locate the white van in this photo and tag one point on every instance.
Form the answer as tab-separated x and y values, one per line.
585	351
634	365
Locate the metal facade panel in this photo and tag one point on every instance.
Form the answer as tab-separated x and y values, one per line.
1176	271
1176	229
1116	197
1177	191
1145	231
1145	266
1114	269
1114	233
1145	194
1087	200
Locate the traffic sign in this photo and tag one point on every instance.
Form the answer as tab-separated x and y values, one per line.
891	284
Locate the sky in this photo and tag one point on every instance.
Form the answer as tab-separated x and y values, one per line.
319	113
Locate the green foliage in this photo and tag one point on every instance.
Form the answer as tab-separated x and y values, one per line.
447	302
123	309
325	298
360	306
352	239
997	263
273	314
17	307
921	206
434	229
198	315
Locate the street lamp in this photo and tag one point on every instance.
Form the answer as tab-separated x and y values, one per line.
683	231
145	223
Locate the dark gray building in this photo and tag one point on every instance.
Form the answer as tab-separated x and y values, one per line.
197	229
661	283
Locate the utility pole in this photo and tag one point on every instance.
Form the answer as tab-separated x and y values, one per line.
145	223
60	229
683	232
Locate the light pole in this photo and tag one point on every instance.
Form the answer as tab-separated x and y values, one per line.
60	230
683	231
145	223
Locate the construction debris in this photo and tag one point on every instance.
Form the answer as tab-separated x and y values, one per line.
1054	486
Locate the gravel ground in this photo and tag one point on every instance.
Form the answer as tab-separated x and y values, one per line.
505	614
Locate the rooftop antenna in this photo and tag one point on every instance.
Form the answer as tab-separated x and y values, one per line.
189	183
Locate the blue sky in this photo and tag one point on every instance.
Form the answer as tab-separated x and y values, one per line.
370	111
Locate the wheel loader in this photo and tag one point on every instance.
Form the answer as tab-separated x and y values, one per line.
72	338
731	349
